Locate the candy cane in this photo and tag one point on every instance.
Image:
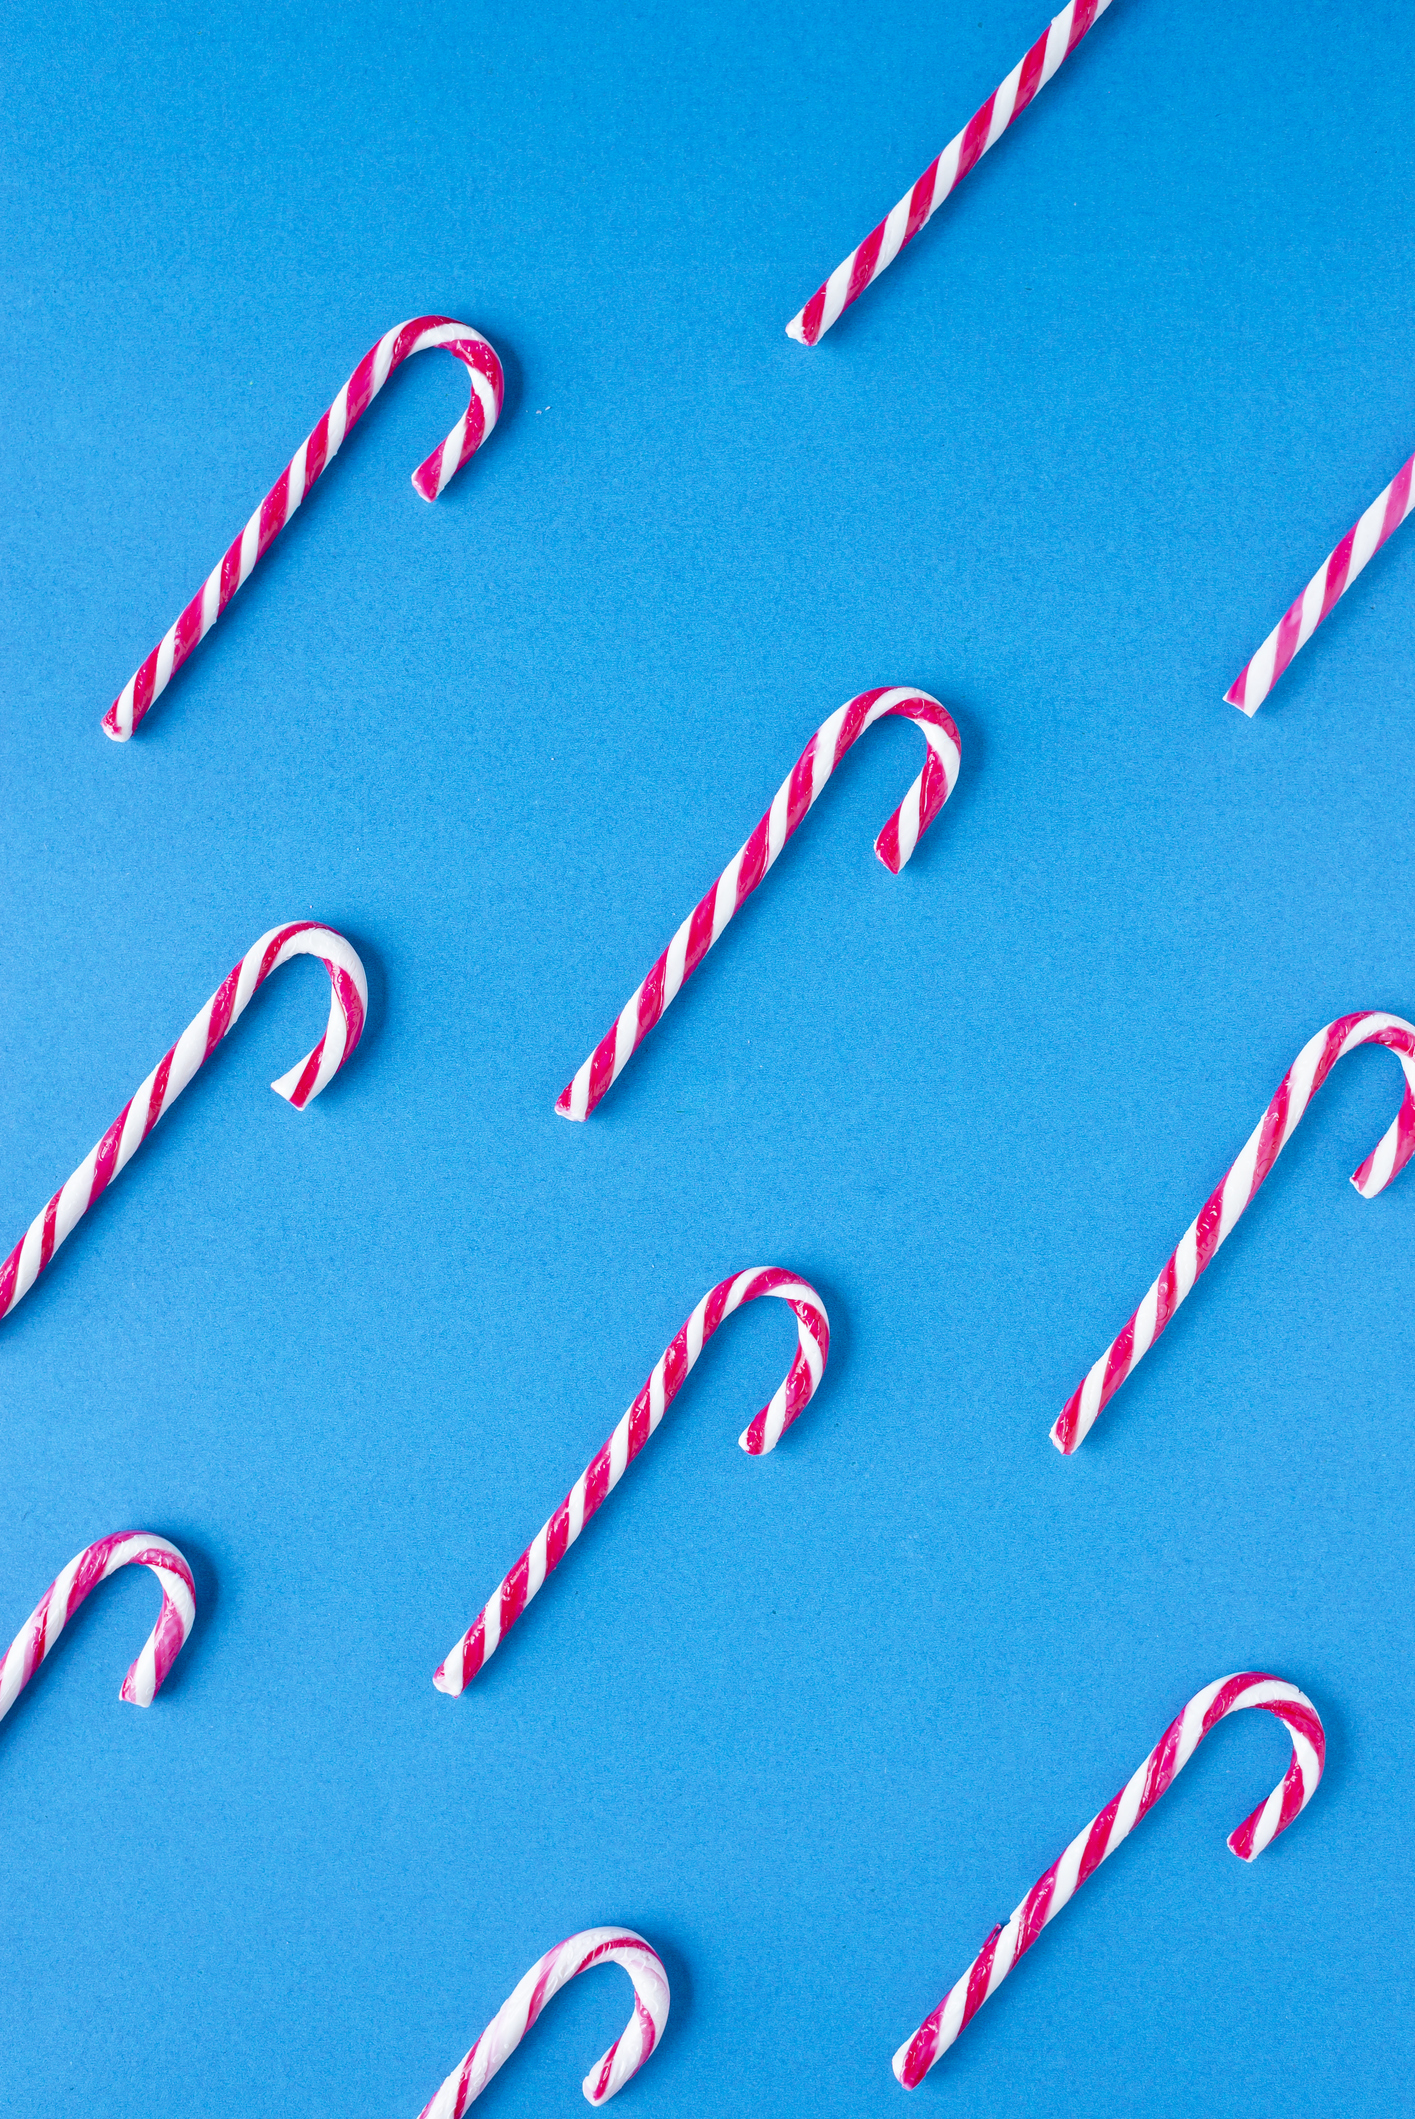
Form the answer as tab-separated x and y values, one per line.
514	2018
314	455
794	798
1251	1688
1330	582
170	1076
982	131
1221	1210
63	1597
603	1474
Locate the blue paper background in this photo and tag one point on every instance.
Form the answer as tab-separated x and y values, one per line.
812	1723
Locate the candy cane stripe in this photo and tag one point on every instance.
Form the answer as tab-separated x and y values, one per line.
943	175
604	1472
541	1984
348	1003
312	457
1221	1211
1004	1946
791	803
1325	589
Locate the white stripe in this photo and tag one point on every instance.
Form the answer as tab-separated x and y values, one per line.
724	902
162	674
1058	37
677	958
618	1454
250	546
658	1405
210	601
1004	104
338	424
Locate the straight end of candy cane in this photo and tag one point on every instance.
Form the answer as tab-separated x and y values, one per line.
1234	696
449	1681
797	329
1064	1433
113	727
565	1105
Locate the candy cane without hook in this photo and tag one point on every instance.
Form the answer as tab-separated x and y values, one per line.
514	2018
1327	586
945	173
1251	1688
63	1597
794	798
348	1002
601	1477
1221	1210
314	454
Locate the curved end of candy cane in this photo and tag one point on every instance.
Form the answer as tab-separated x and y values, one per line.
480	359
174	1622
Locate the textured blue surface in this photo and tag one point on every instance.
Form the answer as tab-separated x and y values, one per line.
811	1723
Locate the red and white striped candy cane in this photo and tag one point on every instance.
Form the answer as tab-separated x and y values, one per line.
603	1474
63	1597
314	454
794	798
1250	1688
348	1001
943	175
1221	1210
1327	586
514	2018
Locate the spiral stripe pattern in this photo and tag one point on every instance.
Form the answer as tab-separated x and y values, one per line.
348	1002
550	1545
514	2018
943	175
82	1575
1222	1209
1003	1948
314	454
794	799
1327	586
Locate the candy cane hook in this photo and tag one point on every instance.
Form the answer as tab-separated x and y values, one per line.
1251	1688
794	799
514	2018
1325	589
603	1474
314	455
1221	1210
63	1597
348	1002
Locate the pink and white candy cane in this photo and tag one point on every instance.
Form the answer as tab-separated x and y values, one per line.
1250	1688
1327	586
348	1001
1221	1210
794	798
314	454
603	1474
63	1597
514	2018
945	173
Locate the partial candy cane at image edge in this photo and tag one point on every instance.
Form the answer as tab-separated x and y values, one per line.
1221	1211
1324	591
304	1082
945	173
41	1630
637	2043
